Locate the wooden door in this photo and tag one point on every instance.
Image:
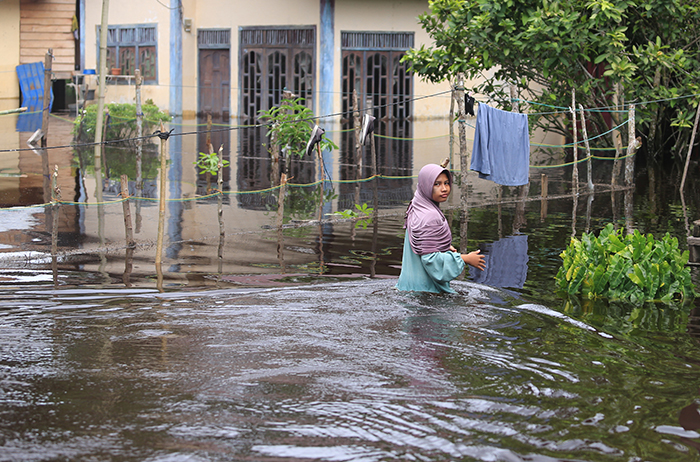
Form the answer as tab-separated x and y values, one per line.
214	83
214	95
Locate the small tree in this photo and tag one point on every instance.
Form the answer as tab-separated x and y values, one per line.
290	125
549	47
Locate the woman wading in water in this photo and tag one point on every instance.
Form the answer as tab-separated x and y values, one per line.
429	260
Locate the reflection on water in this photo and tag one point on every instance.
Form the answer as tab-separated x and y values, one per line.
271	335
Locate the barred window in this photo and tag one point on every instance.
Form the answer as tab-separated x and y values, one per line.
131	47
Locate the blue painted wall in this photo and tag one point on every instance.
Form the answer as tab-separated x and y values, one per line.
327	78
175	58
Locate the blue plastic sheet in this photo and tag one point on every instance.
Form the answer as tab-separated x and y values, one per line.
31	83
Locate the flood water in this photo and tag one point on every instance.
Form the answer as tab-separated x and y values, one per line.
268	344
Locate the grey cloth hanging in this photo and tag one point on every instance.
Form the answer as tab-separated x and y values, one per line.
501	150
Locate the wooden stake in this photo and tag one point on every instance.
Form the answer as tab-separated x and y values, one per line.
280	221
463	163
633	144
617	138
56	196
45	124
220	209
690	148
102	74
453	96
139	134
161	209
543	196
127	211
48	59
358	145
574	172
588	147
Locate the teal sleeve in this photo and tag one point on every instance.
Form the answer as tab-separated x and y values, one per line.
428	273
443	267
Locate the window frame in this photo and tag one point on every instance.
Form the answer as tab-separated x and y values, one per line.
145	35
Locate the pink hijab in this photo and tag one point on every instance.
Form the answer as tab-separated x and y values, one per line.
426	225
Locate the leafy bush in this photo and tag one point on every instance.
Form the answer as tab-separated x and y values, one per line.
291	124
122	123
635	268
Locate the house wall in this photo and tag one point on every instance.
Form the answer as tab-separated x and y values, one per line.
130	12
9	54
44	25
349	15
394	16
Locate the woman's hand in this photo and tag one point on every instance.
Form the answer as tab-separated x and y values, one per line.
474	259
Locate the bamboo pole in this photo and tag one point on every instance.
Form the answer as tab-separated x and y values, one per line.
617	137
690	148
633	144
139	134
280	222
13	111
161	208
55	197
48	60
127	211
463	164
45	125
139	148
102	76
514	98
520	219
574	172
588	148
358	145
543	196
130	244
220	208
452	125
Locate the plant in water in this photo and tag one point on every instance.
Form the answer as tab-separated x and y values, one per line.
362	214
290	126
208	165
122	123
634	267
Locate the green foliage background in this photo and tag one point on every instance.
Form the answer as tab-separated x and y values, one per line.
648	49
122	124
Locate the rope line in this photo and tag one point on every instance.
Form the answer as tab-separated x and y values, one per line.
216	193
228	127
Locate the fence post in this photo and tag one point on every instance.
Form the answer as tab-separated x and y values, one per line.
48	59
588	148
161	208
632	145
45	125
690	148
127	211
617	138
358	145
139	134
463	163
574	172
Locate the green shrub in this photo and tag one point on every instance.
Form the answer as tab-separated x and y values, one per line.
291	124
122	123
634	267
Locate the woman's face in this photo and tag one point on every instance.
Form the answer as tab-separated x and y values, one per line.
441	188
